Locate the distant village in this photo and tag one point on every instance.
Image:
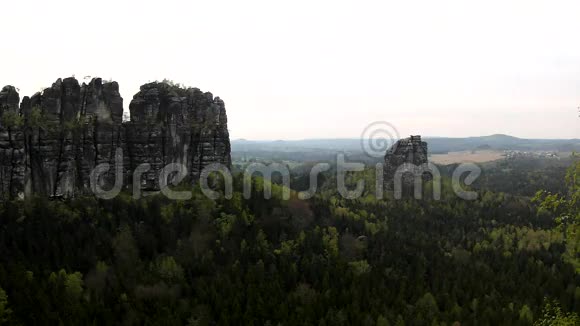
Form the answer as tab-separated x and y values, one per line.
511	154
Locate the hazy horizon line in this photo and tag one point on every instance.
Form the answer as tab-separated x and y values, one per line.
422	136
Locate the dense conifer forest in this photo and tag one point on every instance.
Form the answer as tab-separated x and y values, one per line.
502	259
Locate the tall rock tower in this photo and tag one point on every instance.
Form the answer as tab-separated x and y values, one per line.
170	124
11	144
411	151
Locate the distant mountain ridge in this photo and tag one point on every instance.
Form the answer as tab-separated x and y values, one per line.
436	144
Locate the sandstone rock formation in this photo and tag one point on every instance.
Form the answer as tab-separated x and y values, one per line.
408	152
11	143
175	125
50	143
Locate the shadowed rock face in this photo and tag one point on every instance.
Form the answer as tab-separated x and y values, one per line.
409	150
67	130
11	143
174	125
9	99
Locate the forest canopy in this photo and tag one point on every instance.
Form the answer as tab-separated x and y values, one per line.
498	260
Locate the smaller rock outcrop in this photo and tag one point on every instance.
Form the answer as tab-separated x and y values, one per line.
407	157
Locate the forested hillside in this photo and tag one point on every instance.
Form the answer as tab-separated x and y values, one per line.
498	260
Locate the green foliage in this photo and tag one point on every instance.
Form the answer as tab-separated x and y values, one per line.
5	312
360	267
36	118
330	241
168	270
11	119
172	83
73	285
324	261
426	310
525	177
73	126
382	321
526	315
552	315
567	211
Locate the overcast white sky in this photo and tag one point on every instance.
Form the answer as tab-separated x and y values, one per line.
320	69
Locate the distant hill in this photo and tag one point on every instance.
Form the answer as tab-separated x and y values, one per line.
501	142
436	144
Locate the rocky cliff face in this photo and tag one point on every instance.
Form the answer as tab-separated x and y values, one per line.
174	125
11	143
50	143
409	150
69	129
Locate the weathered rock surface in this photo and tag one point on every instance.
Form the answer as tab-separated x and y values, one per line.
11	143
174	125
9	99
50	143
408	152
69	129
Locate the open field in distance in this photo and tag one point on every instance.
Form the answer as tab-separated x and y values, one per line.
467	156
